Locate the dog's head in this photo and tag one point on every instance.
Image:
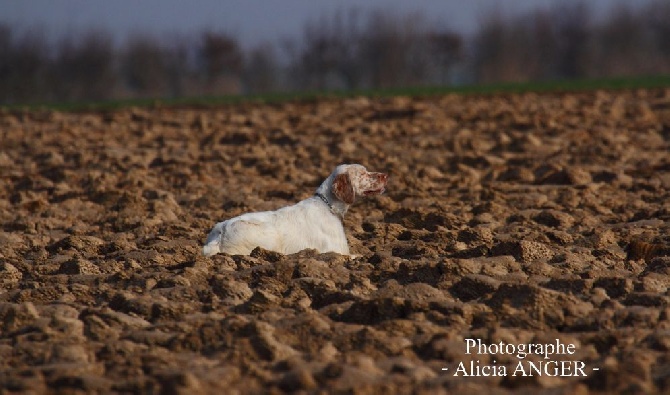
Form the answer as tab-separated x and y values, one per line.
350	181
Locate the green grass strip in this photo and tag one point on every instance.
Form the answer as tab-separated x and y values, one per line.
642	82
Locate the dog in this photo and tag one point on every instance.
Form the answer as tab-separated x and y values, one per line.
315	222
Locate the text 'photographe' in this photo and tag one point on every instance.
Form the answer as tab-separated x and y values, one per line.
550	359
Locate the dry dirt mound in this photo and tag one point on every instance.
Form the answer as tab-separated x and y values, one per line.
514	218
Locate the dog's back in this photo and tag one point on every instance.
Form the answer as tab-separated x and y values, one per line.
307	224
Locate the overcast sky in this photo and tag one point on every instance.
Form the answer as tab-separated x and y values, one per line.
251	21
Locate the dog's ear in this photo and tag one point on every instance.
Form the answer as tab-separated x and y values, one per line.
342	188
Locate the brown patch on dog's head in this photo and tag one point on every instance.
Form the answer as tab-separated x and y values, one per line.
343	189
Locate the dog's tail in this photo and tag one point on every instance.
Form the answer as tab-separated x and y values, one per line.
213	244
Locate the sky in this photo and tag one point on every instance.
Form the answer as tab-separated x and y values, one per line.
253	22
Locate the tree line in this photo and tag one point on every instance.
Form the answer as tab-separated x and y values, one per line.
348	49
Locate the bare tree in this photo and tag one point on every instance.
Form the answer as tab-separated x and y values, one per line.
574	33
537	46
542	51
222	61
261	70
180	67
6	59
657	17
144	67
447	49
499	49
84	67
327	58
383	50
624	45
24	66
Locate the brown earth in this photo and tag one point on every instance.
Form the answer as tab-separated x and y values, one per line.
516	218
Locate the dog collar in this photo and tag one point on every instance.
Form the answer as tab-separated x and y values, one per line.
325	200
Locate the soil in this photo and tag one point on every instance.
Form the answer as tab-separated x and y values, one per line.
520	218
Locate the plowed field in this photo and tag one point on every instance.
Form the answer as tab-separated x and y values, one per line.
522	219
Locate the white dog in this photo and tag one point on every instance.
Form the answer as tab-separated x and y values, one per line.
315	222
